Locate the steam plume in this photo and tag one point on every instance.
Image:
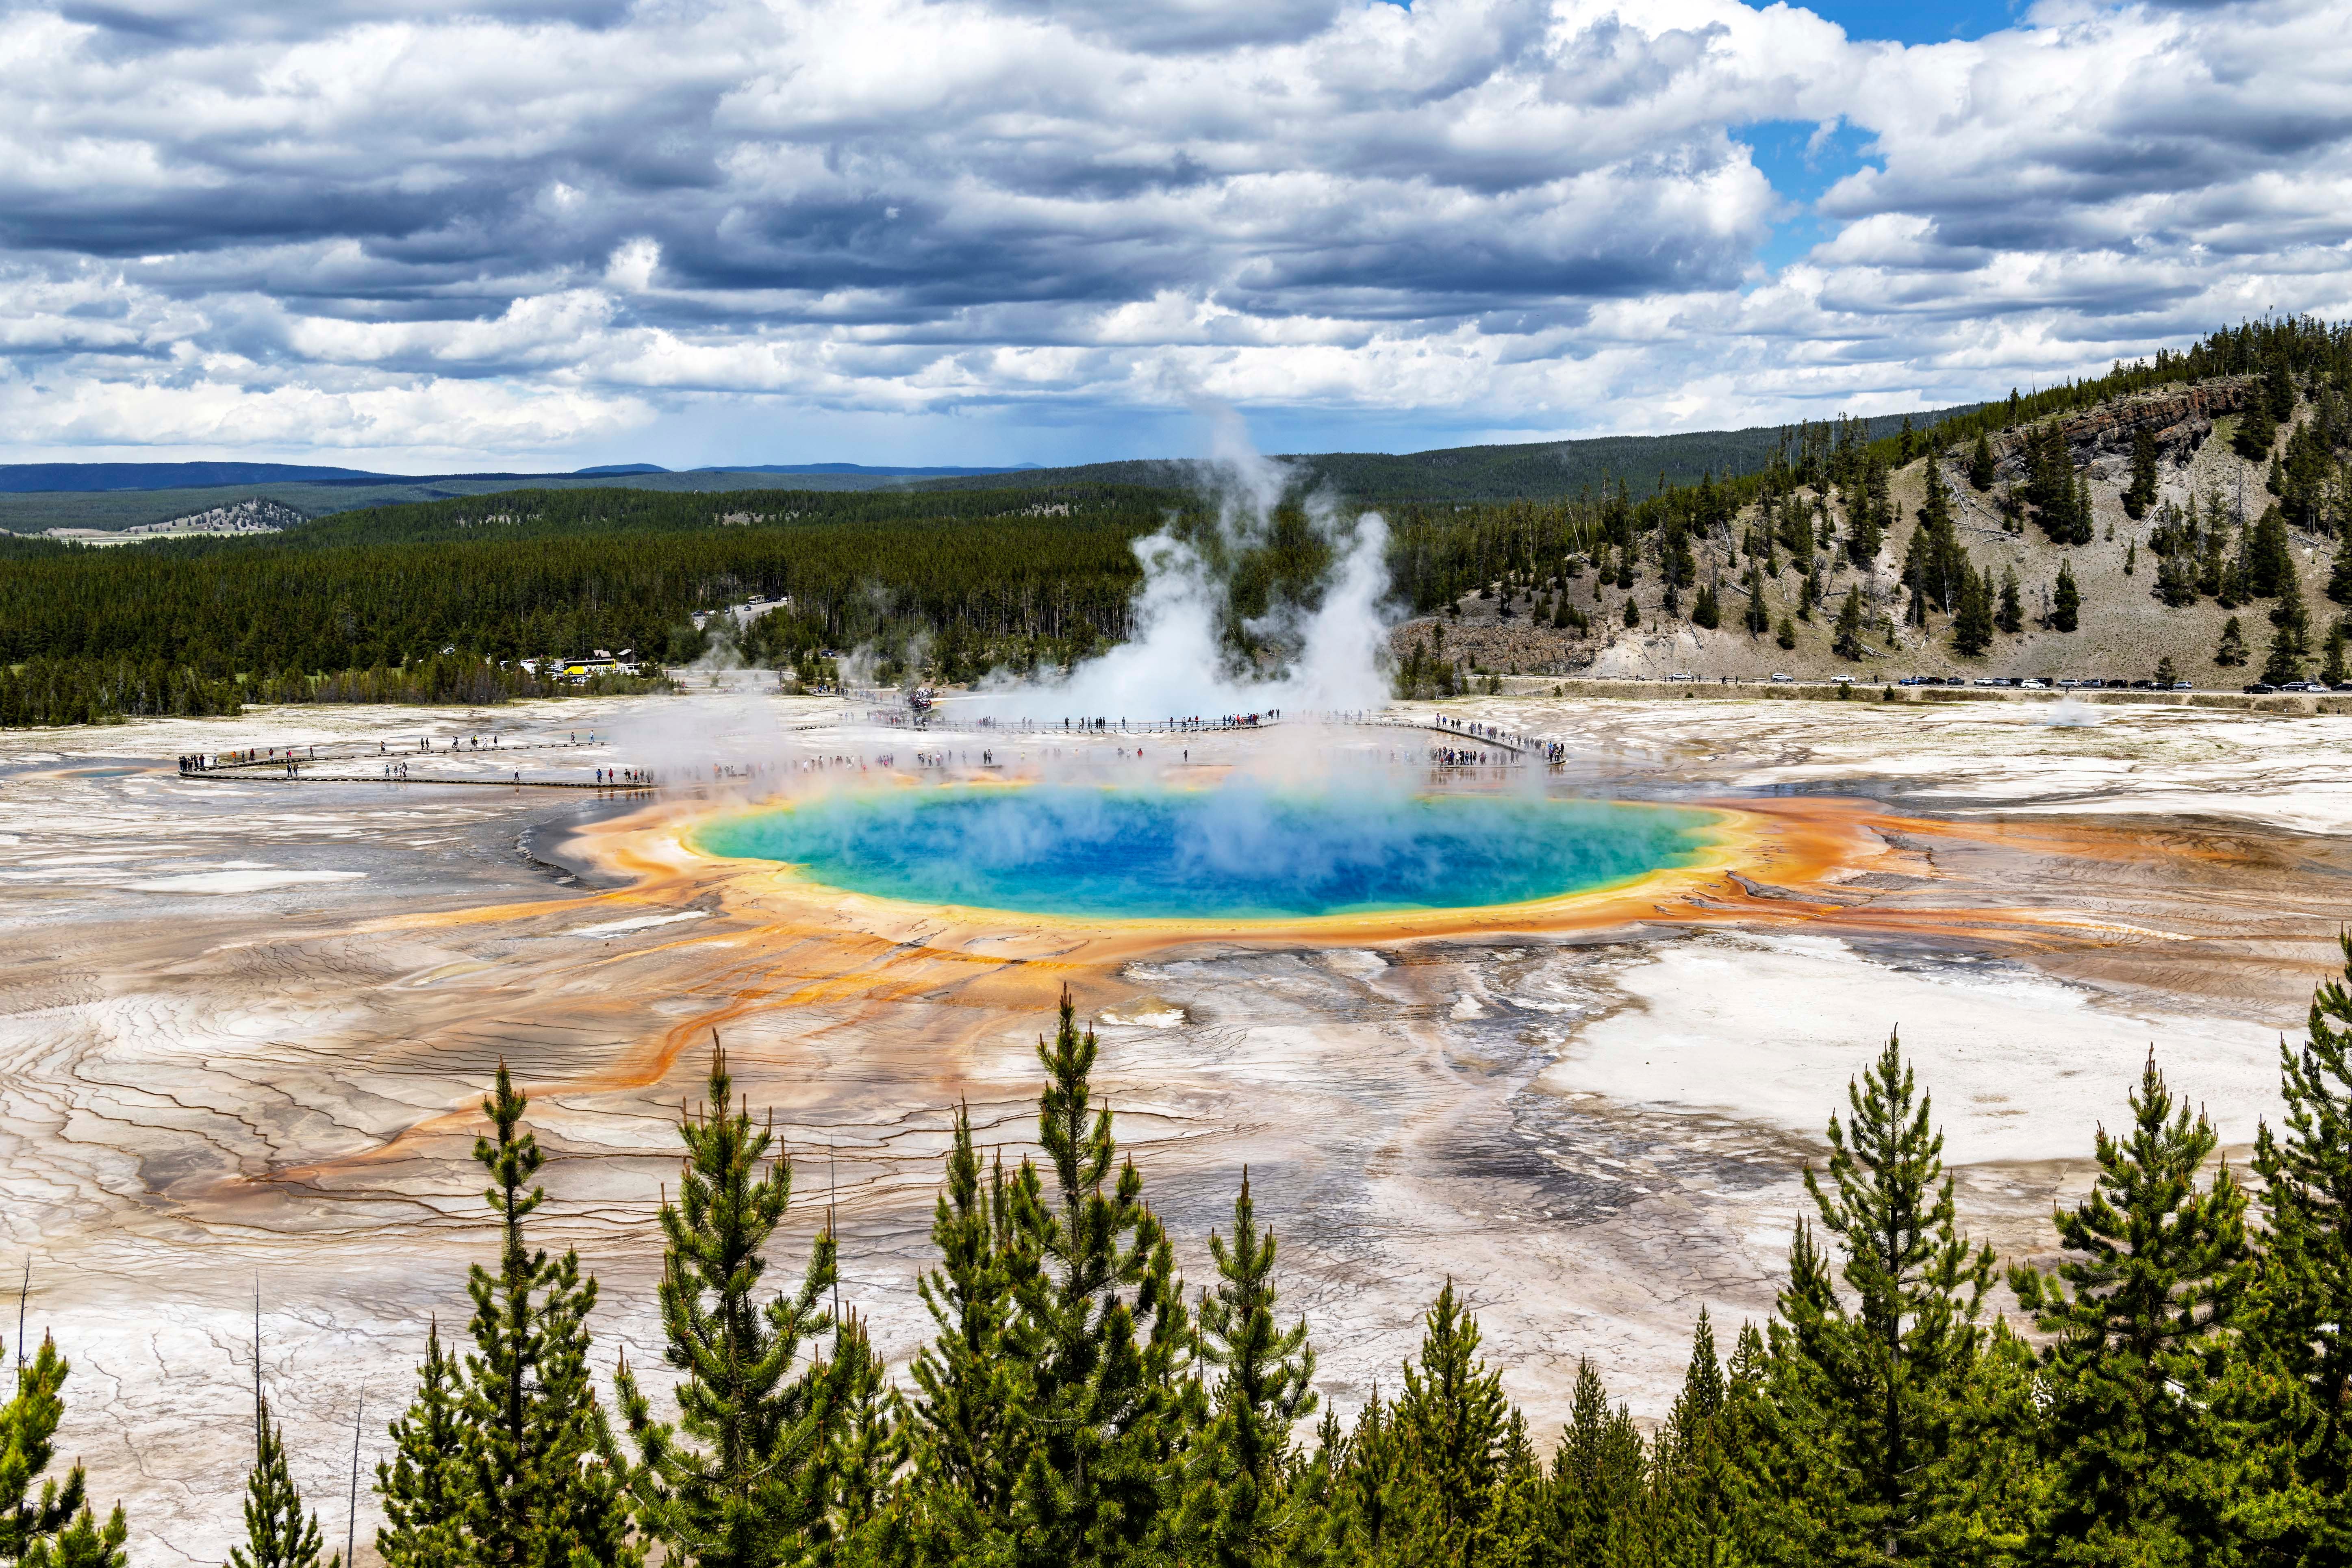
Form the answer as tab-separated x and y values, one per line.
1175	664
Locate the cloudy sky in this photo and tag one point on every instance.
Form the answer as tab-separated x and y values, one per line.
424	234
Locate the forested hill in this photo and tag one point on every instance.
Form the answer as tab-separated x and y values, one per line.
112	496
977	580
18	478
2101	506
1540	470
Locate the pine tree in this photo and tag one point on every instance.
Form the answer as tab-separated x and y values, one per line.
1846	641
2270	556
544	1488
1452	1420
1886	1374
279	1533
1694	1477
83	1543
1373	1504
56	1526
1320	1532
1972	626
1707	610
1758	616
1919	576
2231	651
2052	490
1099	1329
1868	514
2257	430
424	1483
744	1491
2333	668
1785	634
2140	494
1632	617
2300	1317
965	1391
2135	1317
2339	576
2176	580
2232	591
1238	1508
1980	465
2065	600
2010	616
2290	635
2278	388
1597	1479
867	1444
1936	509
1676	565
1522	1511
2212	554
1992	1473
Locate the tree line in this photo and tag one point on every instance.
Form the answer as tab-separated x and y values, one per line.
949	584
2178	1389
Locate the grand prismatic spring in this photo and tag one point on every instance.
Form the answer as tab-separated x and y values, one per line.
1566	1034
1229	854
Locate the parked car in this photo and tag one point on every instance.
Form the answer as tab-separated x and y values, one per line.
1783	680
2182	686
1678	675
2030	684
2260	689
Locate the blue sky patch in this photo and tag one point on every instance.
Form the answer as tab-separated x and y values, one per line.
1938	22
1801	161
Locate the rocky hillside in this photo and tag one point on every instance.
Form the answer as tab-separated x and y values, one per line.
2123	628
256	514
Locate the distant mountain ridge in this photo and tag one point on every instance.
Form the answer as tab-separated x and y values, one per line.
863	469
83	478
19	479
37	497
1533	471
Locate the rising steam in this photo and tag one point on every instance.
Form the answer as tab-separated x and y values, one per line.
1175	663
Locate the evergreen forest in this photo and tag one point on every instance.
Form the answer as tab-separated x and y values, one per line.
441	601
2175	1387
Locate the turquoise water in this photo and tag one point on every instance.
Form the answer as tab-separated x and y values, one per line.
1233	853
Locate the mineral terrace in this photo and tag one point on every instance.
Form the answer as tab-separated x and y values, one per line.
247	1020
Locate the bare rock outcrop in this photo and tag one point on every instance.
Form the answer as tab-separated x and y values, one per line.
2179	417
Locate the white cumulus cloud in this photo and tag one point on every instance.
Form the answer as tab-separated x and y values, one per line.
999	229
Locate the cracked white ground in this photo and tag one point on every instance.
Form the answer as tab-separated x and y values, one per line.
245	1023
